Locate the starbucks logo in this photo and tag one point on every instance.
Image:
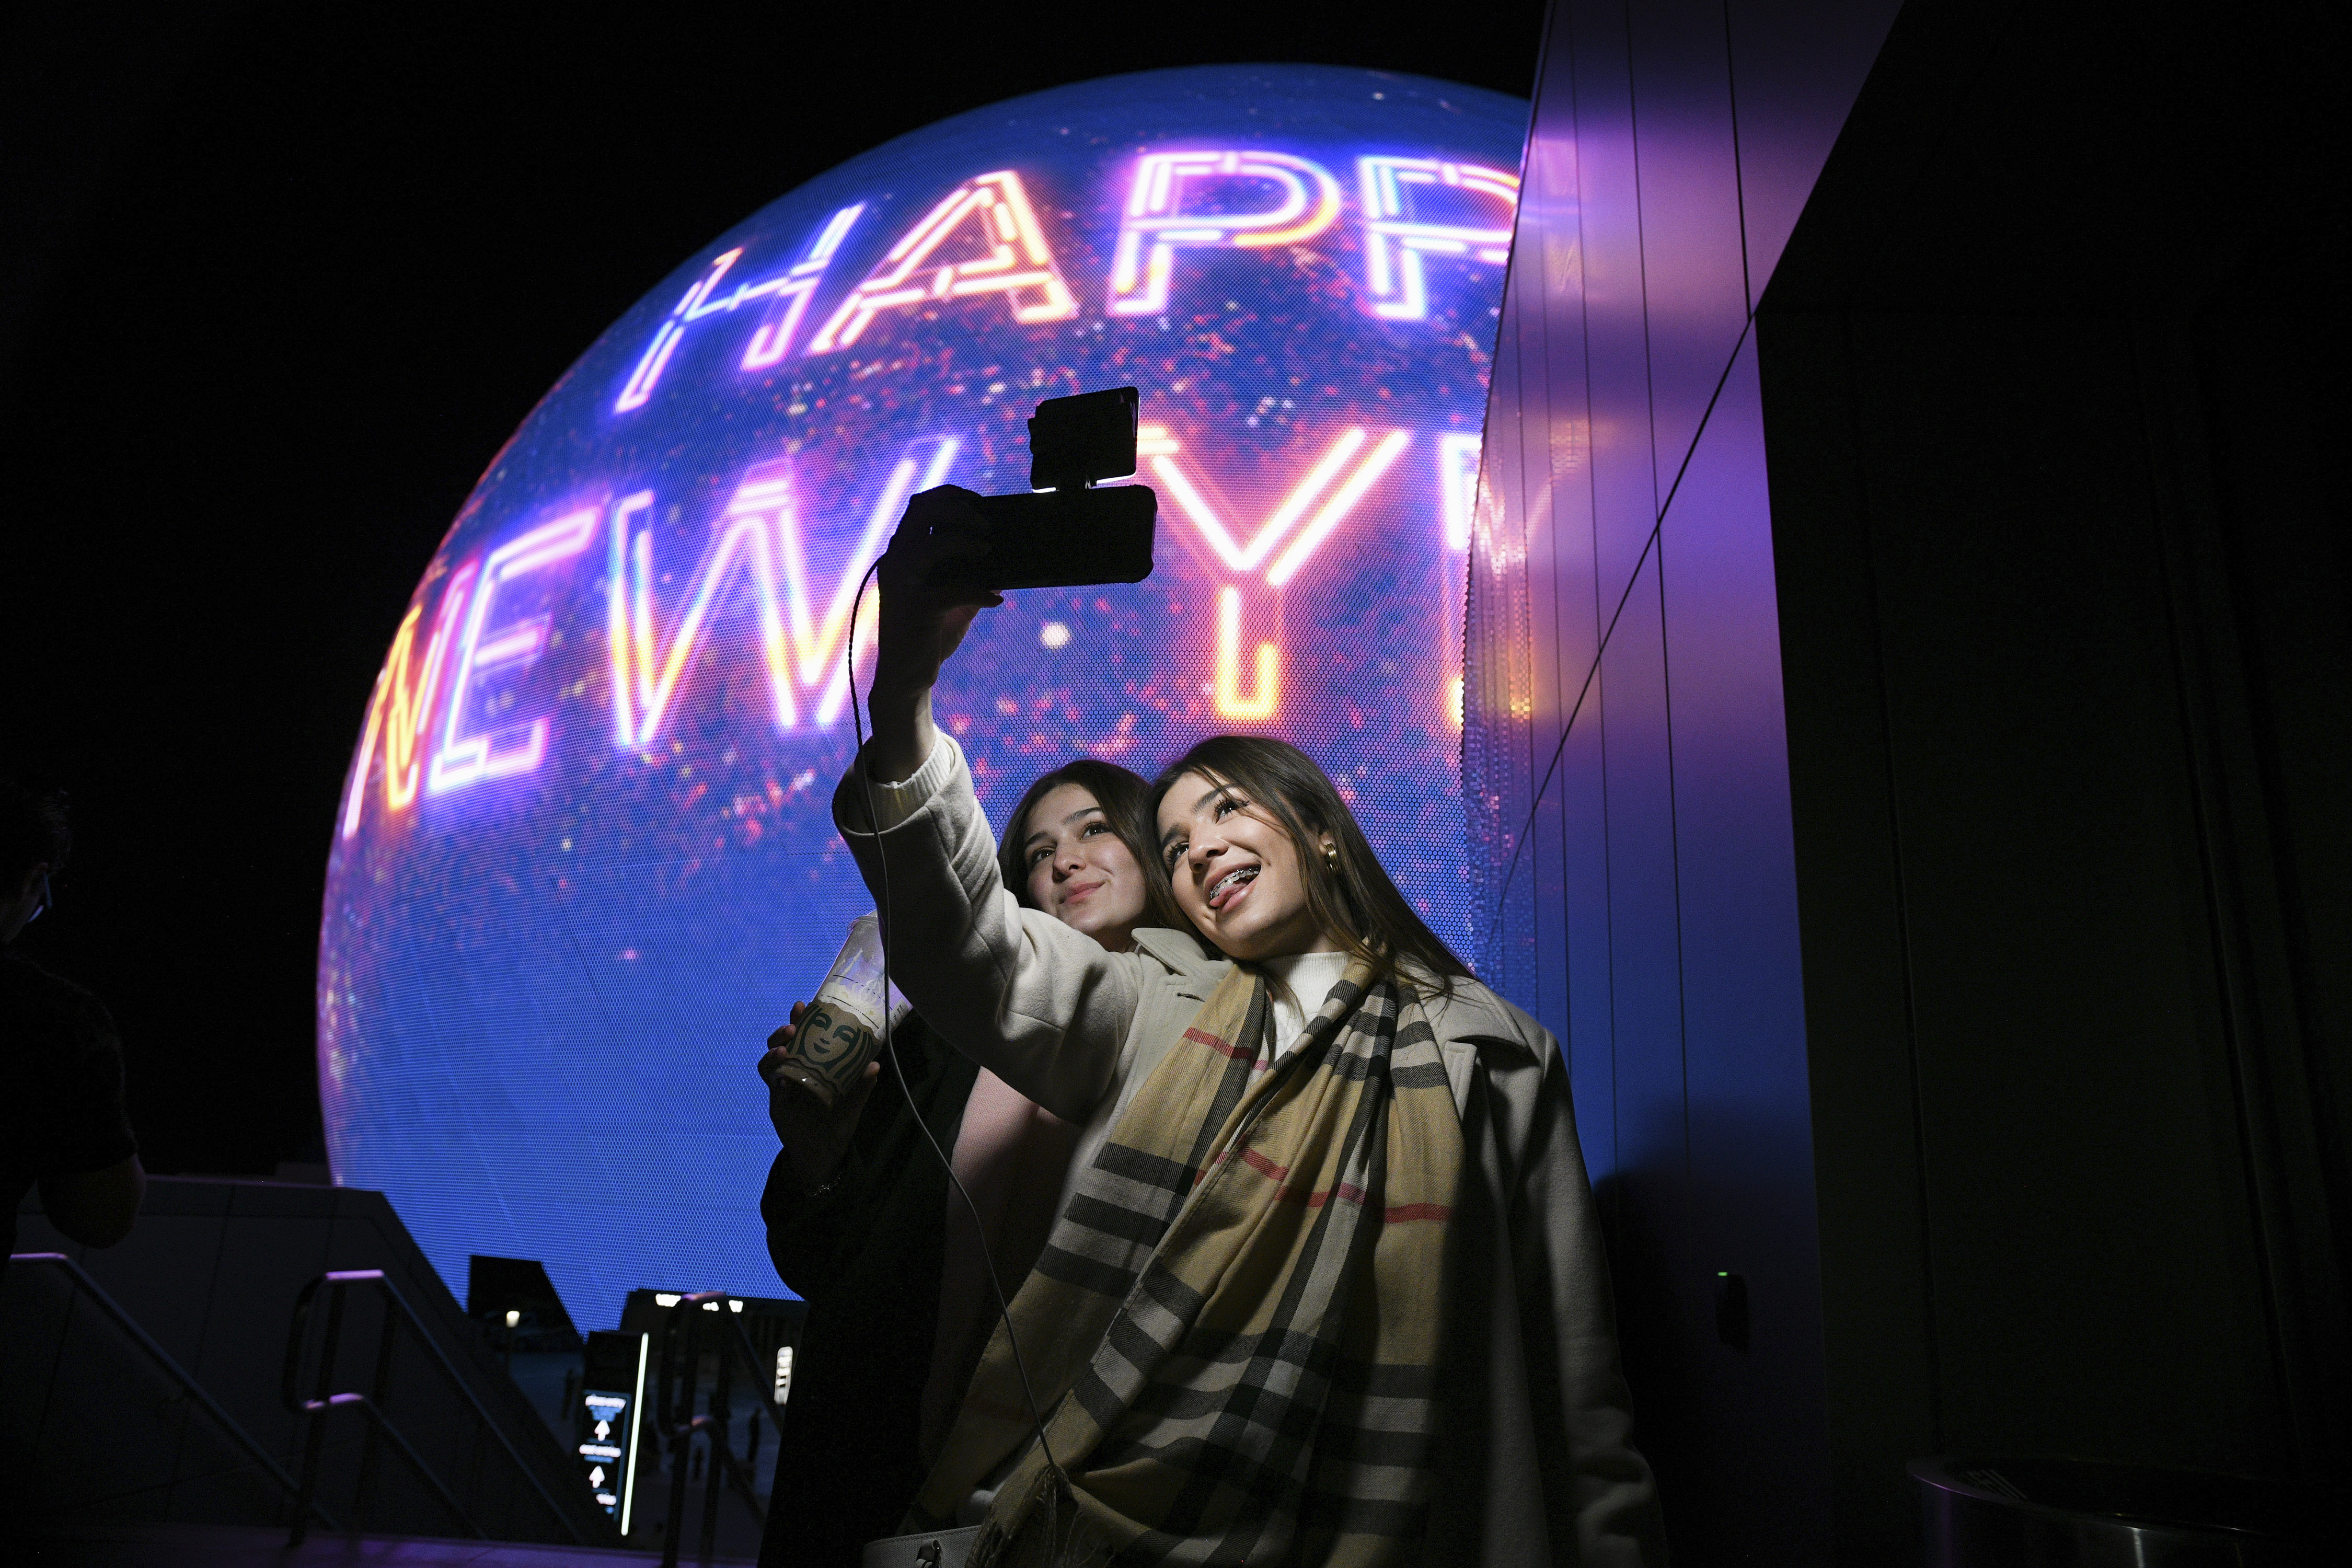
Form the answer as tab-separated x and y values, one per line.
828	1039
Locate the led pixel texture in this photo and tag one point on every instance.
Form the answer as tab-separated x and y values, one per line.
585	861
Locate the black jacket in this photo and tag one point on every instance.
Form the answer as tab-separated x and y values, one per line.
866	1255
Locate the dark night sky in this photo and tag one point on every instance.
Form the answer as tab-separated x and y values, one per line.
276	280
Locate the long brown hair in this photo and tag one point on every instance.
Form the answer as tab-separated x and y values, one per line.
1350	894
1127	806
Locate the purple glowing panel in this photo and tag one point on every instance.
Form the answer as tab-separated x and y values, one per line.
584	861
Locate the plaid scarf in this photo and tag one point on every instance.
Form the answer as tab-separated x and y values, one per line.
1236	1327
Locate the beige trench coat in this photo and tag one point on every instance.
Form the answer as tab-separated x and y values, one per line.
1539	1468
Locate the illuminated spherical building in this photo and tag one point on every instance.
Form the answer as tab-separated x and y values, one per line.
585	860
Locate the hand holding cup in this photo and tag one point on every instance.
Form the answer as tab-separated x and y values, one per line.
815	1136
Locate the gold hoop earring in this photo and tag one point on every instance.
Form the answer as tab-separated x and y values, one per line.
1332	856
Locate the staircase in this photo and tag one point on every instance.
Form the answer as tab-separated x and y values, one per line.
148	1394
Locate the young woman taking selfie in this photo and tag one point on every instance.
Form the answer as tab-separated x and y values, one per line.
1326	1284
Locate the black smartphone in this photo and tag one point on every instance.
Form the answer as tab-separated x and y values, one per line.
1071	530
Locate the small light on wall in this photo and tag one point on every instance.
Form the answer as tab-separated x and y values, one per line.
1054	634
513	1318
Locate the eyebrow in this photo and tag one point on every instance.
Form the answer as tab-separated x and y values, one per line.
1082	810
1214	792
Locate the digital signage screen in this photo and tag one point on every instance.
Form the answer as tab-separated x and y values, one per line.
585	860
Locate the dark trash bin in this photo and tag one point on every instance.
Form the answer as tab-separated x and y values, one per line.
2069	1513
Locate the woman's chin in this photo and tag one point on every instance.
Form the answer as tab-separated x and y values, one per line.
1248	944
1103	924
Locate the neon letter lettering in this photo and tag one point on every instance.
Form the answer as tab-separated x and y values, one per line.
1396	237
402	707
635	652
518	748
1156	225
774	337
817	642
1225	688
1292	533
1324	483
761	531
1013	259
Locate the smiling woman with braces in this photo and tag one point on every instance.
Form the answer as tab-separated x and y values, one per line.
1325	1283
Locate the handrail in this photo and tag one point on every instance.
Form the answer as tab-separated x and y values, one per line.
383	1423
338	1281
711	1426
80	1281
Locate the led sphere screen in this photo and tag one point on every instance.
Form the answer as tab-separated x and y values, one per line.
586	861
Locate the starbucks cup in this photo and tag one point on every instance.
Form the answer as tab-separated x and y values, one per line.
841	1030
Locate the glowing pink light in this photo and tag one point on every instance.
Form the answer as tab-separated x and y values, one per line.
1345	455
401	710
1225	681
772	340
1336	510
513	645
761	536
1395	241
516	749
1015	262
1155	224
618	645
745	543
1308	513
819	641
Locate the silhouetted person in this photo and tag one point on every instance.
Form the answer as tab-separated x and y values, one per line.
62	1125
